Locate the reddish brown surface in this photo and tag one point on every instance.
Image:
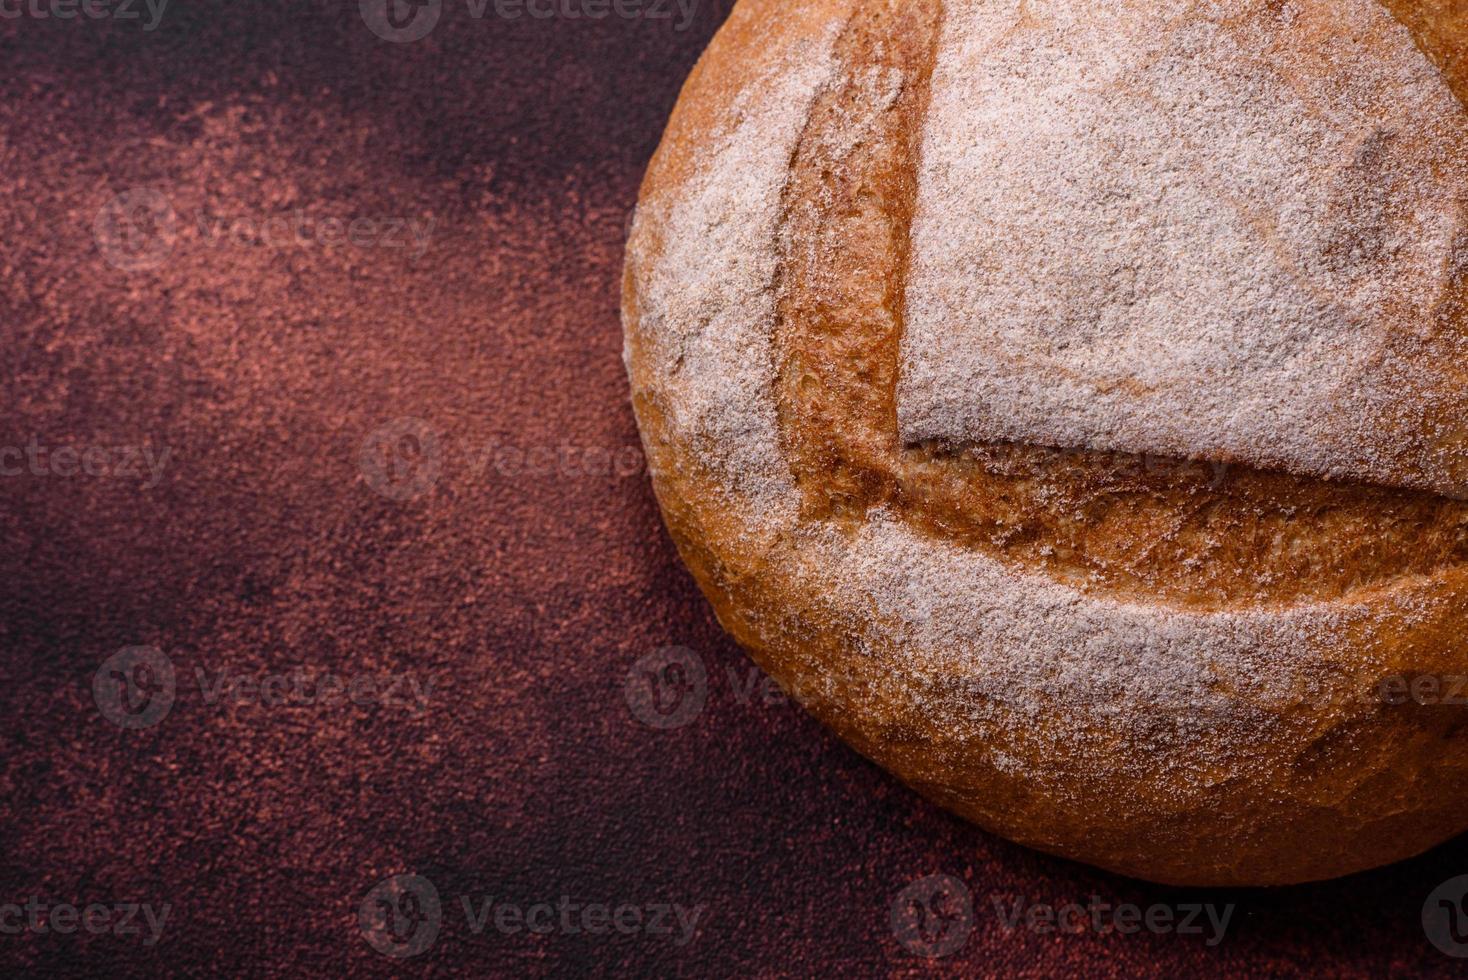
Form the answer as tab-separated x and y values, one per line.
528	597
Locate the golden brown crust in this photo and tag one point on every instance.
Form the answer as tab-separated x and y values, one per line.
1204	534
1330	779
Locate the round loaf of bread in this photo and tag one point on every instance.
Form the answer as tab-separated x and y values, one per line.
1066	403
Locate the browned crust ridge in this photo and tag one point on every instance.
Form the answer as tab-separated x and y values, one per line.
1365	784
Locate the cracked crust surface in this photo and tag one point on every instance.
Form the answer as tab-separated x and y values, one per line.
1167	667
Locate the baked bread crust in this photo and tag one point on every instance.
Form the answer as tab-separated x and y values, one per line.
1179	670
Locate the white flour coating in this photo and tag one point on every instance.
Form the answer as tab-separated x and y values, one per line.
1023	643
713	283
1195	229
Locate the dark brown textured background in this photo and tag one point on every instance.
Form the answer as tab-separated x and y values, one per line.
528	597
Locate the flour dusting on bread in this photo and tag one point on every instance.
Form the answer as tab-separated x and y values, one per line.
709	299
1209	230
1180	743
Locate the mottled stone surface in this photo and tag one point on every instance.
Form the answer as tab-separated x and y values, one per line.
262	355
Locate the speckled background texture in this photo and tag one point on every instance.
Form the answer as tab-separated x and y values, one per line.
254	312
